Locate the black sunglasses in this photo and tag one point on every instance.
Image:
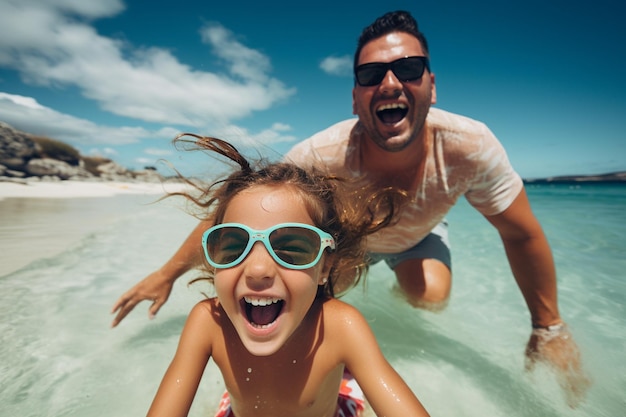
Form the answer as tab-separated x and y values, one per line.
409	68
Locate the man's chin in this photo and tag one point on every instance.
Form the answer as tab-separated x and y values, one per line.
394	143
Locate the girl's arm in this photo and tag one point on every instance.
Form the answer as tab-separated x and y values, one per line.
385	390
180	383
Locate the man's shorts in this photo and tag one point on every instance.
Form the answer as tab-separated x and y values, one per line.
434	246
350	401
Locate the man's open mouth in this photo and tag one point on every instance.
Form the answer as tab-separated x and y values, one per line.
392	113
262	312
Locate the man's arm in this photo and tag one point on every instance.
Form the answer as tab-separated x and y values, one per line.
530	258
157	286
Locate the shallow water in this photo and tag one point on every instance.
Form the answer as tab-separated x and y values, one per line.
71	259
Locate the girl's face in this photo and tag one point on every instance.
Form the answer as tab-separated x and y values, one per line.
265	301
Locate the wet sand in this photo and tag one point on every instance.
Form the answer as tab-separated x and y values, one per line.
41	219
80	189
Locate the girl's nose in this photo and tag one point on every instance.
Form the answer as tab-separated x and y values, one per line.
260	267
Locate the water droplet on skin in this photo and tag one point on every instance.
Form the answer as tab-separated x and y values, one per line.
294	361
247	379
249	370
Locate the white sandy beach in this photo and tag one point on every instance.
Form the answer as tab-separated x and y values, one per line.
77	189
41	219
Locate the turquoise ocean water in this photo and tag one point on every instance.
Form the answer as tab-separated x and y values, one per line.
66	261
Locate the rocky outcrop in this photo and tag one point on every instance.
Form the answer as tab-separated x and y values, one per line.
43	167
23	160
16	148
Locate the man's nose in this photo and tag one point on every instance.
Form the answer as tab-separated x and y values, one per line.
390	83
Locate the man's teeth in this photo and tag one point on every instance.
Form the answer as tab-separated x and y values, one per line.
261	301
392	106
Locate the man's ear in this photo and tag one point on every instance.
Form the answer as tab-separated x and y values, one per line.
433	90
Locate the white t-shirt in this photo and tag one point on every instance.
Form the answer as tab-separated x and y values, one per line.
464	158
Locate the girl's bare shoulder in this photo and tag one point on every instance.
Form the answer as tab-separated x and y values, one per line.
208	312
339	315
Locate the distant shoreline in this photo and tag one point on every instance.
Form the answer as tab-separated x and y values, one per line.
609	178
81	189
78	189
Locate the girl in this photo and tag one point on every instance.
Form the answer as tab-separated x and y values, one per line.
284	241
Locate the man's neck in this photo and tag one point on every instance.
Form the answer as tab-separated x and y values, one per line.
394	168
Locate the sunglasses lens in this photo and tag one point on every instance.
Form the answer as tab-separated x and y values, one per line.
295	245
408	69
370	74
227	244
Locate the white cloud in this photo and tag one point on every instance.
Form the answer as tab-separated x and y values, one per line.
158	151
341	66
25	113
28	103
144	161
270	136
243	61
267	137
87	9
53	44
281	127
167	132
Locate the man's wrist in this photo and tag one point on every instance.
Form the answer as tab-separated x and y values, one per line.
545	334
171	271
551	328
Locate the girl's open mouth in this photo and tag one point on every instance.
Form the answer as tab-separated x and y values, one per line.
262	312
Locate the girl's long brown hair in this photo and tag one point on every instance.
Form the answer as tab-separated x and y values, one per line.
349	210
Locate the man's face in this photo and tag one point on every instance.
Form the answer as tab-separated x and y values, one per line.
393	112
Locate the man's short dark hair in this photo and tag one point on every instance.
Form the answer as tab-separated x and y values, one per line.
398	21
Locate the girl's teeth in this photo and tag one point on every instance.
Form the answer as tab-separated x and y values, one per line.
261	301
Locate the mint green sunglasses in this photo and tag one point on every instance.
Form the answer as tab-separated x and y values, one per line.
291	245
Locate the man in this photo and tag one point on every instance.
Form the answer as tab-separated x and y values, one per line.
399	140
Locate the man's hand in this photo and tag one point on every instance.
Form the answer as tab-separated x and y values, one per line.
155	287
556	349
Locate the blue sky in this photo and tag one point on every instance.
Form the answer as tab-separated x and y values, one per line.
120	78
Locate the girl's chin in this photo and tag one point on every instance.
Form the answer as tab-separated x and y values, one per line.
262	340
262	348
265	345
